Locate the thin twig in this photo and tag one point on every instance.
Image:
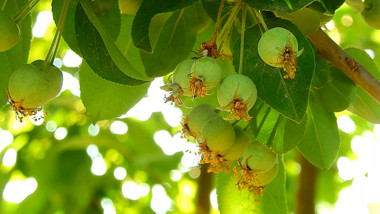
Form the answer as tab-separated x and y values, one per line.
331	51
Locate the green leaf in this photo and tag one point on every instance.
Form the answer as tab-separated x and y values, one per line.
321	142
175	41
364	105
148	9
100	51
332	5
284	6
338	93
231	200
104	99
287	96
321	72
18	55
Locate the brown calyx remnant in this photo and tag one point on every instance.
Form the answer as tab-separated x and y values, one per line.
197	86
22	112
246	179
215	162
289	61
175	94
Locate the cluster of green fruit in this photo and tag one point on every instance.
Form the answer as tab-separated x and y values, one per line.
220	142
31	85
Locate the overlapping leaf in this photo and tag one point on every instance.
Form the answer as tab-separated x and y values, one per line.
284	6
287	96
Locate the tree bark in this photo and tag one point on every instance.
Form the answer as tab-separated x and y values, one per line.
329	50
306	187
204	190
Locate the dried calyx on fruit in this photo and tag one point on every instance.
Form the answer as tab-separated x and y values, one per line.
278	47
259	168
32	85
9	33
205	75
237	94
180	85
217	136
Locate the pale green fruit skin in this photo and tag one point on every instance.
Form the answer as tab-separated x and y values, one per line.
306	19
272	45
218	134
243	85
260	157
208	70
371	13
30	85
9	32
181	75
237	149
198	116
268	176
55	78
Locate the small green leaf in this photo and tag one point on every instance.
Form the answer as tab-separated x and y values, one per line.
284	6
364	105
287	96
100	51
18	55
233	201
332	5
175	41
338	93
149	8
320	144
104	99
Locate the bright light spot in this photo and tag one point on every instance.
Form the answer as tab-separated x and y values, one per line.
70	83
51	126
58	62
214	200
44	18
118	127
107	205
376	131
93	130
6	138
347	20
92	151
133	191
120	173
175	175
191	156
141	111
10	157
172	115
60	133
71	59
346	124
98	166
17	190
370	52
345	167
330	25
160	202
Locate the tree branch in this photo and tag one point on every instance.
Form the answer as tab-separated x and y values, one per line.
204	190
329	50
306	187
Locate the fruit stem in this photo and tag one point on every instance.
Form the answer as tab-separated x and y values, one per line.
229	23
242	33
259	18
57	36
215	34
25	10
3	6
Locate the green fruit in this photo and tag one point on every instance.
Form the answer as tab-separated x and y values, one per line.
218	134
306	19
241	143
205	75
29	85
259	157
198	116
237	86
181	76
371	13
55	78
9	32
268	176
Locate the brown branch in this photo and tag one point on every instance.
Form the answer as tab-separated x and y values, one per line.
204	190
331	51
306	187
